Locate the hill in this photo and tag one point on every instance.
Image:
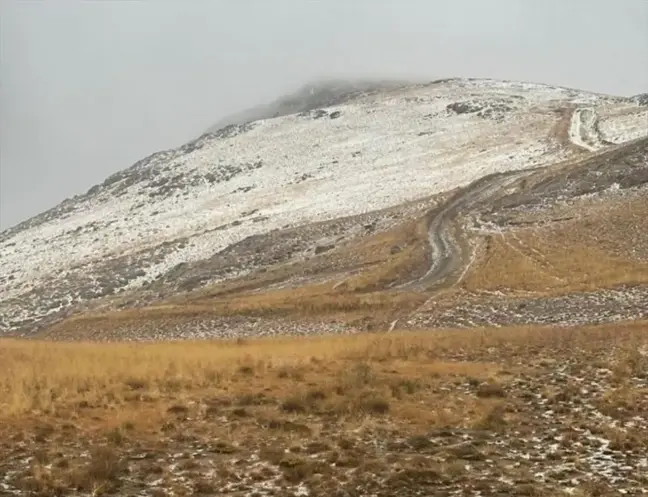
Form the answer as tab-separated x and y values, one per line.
335	212
359	289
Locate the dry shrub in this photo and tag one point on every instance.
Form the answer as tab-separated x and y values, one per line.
492	417
491	390
44	377
102	474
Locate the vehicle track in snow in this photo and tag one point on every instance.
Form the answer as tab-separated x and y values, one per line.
449	249
584	130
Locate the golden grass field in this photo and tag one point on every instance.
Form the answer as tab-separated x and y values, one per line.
271	397
41	377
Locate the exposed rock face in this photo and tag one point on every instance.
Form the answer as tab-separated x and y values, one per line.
641	99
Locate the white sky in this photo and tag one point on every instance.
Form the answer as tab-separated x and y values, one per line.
90	87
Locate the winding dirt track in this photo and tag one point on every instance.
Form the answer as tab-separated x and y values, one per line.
449	249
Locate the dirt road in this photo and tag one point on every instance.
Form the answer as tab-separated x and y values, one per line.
448	251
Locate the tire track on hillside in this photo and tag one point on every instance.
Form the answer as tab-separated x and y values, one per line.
584	130
448	245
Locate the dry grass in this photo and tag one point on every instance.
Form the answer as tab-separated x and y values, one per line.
309	407
605	245
308	304
394	256
605	249
42	376
533	262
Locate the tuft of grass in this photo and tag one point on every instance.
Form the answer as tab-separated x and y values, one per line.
294	404
101	475
490	390
492	417
374	404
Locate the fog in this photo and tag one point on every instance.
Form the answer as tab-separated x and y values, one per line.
88	88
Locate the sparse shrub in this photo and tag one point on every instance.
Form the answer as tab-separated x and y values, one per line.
295	468
188	465
105	464
178	409
361	374
317	447
289	426
621	440
254	399
345	444
212	411
569	437
473	382
240	412
489	390
374	404
530	490
292	372
624	402
213	376
493	418
204	487
102	475
136	383
415	477
295	404
173	384
272	454
405	387
595	488
455	469
246	370
222	447
628	363
116	436
40	482
315	395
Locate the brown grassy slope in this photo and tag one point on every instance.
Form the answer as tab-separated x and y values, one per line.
593	245
359	272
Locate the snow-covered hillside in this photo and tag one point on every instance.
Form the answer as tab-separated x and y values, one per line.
377	150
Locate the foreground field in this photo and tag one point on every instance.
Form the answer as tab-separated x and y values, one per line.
520	411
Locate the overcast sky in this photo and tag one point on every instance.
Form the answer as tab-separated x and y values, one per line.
90	87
